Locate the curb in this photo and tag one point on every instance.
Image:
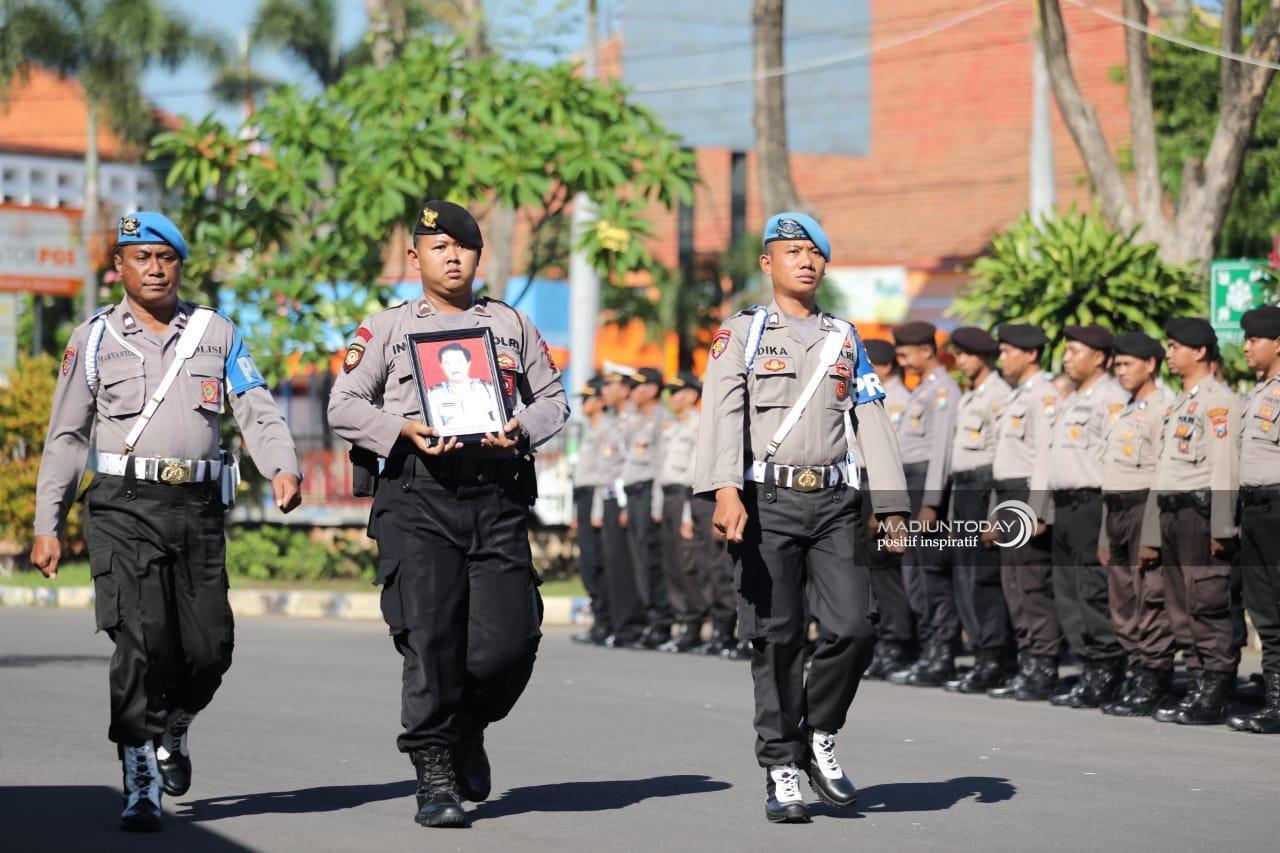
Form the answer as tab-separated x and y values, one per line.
560	610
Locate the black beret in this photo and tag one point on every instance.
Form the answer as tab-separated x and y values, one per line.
445	217
880	352
973	340
914	333
646	375
1261	322
1094	336
1022	336
684	379
593	386
1191	331
1139	345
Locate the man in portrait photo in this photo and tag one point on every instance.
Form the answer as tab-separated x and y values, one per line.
461	404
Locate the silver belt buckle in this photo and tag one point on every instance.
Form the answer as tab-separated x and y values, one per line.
807	479
175	471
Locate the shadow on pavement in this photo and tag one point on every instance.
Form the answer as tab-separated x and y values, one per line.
608	795
87	817
304	801
924	796
30	661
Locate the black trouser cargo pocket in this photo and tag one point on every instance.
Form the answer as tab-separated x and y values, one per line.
392	606
106	590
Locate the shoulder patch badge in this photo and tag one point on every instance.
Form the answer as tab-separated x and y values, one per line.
546	353
720	342
68	360
355	352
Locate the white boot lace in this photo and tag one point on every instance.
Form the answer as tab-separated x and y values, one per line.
786	783
141	775
174	739
824	752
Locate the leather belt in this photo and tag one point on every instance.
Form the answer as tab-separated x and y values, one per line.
799	478
981	474
1117	501
1070	497
161	470
1012	484
1259	495
1175	501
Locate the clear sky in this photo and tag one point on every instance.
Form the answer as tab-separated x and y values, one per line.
185	92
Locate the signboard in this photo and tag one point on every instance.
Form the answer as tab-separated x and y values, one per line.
1234	288
871	294
40	252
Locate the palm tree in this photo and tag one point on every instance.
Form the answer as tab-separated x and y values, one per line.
306	30
106	45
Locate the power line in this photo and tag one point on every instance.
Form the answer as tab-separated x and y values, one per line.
825	62
1178	40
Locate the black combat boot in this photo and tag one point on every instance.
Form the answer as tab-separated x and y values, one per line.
826	777
722	637
1148	688
984	676
141	789
1266	721
471	763
783	801
940	669
1019	680
173	757
439	801
594	636
1167	710
688	636
739	650
1042	680
1211	702
891	657
926	659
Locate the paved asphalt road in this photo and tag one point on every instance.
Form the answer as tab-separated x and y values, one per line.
608	750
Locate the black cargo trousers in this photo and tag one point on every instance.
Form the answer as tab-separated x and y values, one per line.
157	553
459	591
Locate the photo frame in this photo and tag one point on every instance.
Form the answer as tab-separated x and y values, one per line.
459	386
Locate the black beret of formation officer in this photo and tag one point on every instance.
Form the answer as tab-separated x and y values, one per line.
790	399
459	590
153	375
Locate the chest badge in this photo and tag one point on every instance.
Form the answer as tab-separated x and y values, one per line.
773	365
210	391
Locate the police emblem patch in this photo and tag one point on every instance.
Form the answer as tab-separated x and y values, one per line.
355	352
720	342
68	360
773	365
429	217
842	389
789	229
506	361
210	391
130	226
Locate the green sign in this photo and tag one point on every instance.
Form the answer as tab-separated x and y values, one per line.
1234	288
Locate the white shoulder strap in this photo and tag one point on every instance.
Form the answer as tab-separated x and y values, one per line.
187	345
91	354
830	352
755	333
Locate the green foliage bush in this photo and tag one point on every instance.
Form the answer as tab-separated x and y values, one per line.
278	552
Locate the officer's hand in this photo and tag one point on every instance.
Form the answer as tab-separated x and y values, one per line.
573	525
1149	557
730	518
1221	548
419	434
989	538
287	491
508	438
46	551
1041	528
927	514
656	519
622	518
1104	555
686	530
597	523
894	534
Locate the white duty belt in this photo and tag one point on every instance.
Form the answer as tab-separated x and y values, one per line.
161	470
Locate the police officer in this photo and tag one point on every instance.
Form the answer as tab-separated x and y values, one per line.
1259	557
643	430
459	590
1026	571
1197	475
979	596
588	480
1071	474
626	607
787	389
924	434
681	542
1135	593
897	646
155	373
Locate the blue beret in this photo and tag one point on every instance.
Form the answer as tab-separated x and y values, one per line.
148	227
793	225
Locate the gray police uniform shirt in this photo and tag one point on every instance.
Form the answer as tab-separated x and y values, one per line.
896	395
679	452
1260	444
1200	449
376	391
1079	435
1130	451
741	411
643	436
588	469
131	362
973	445
1025	428
924	432
470	408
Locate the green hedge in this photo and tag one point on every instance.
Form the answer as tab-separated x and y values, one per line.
286	553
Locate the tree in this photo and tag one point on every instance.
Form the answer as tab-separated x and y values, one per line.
306	30
1076	268
777	192
106	44
307	221
1207	182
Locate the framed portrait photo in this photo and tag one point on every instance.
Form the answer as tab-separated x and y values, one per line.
458	382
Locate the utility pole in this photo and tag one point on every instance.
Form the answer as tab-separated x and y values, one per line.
584	283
